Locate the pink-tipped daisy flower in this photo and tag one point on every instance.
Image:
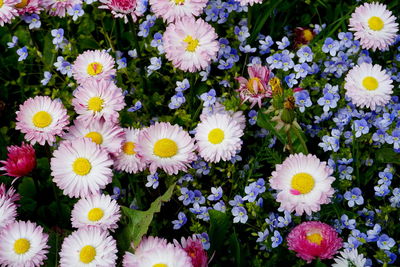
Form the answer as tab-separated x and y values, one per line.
98	100
256	88
59	7
303	183
166	146
29	6
8	212
368	86
93	64
127	159
190	44
7	11
81	167
42	119
96	210
314	239
106	134
374	25
171	11
218	138
89	246
23	244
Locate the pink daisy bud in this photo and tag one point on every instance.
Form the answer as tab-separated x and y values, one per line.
313	239
21	160
194	250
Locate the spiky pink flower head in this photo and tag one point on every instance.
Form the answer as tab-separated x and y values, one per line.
29	6
256	87
171	11
41	119
124	8
190	44
21	160
374	25
314	239
303	183
195	250
166	146
7	11
93	64
249	2
59	7
98	100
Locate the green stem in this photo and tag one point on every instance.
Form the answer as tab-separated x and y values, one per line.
302	141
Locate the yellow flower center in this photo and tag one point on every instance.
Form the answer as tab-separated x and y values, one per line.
87	254
165	148
81	166
179	2
94	68
95	104
315	238
96	137
42	119
216	136
160	265
251	82
308	35
21	4
370	83
1	3
95	214
303	183
129	148
191	43
22	245
375	23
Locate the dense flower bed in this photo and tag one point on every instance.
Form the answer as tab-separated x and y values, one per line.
199	133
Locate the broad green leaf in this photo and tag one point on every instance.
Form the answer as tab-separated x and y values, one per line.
219	226
387	155
139	221
264	121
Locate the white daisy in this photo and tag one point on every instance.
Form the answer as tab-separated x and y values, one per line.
106	134
303	183
97	210
93	64
374	26
218	137
128	160
98	100
81	168
86	247
349	258
368	86
41	119
166	146
23	244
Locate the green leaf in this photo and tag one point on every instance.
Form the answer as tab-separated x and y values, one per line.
48	53
139	221
27	188
387	155
219	226
264	121
235	246
299	140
